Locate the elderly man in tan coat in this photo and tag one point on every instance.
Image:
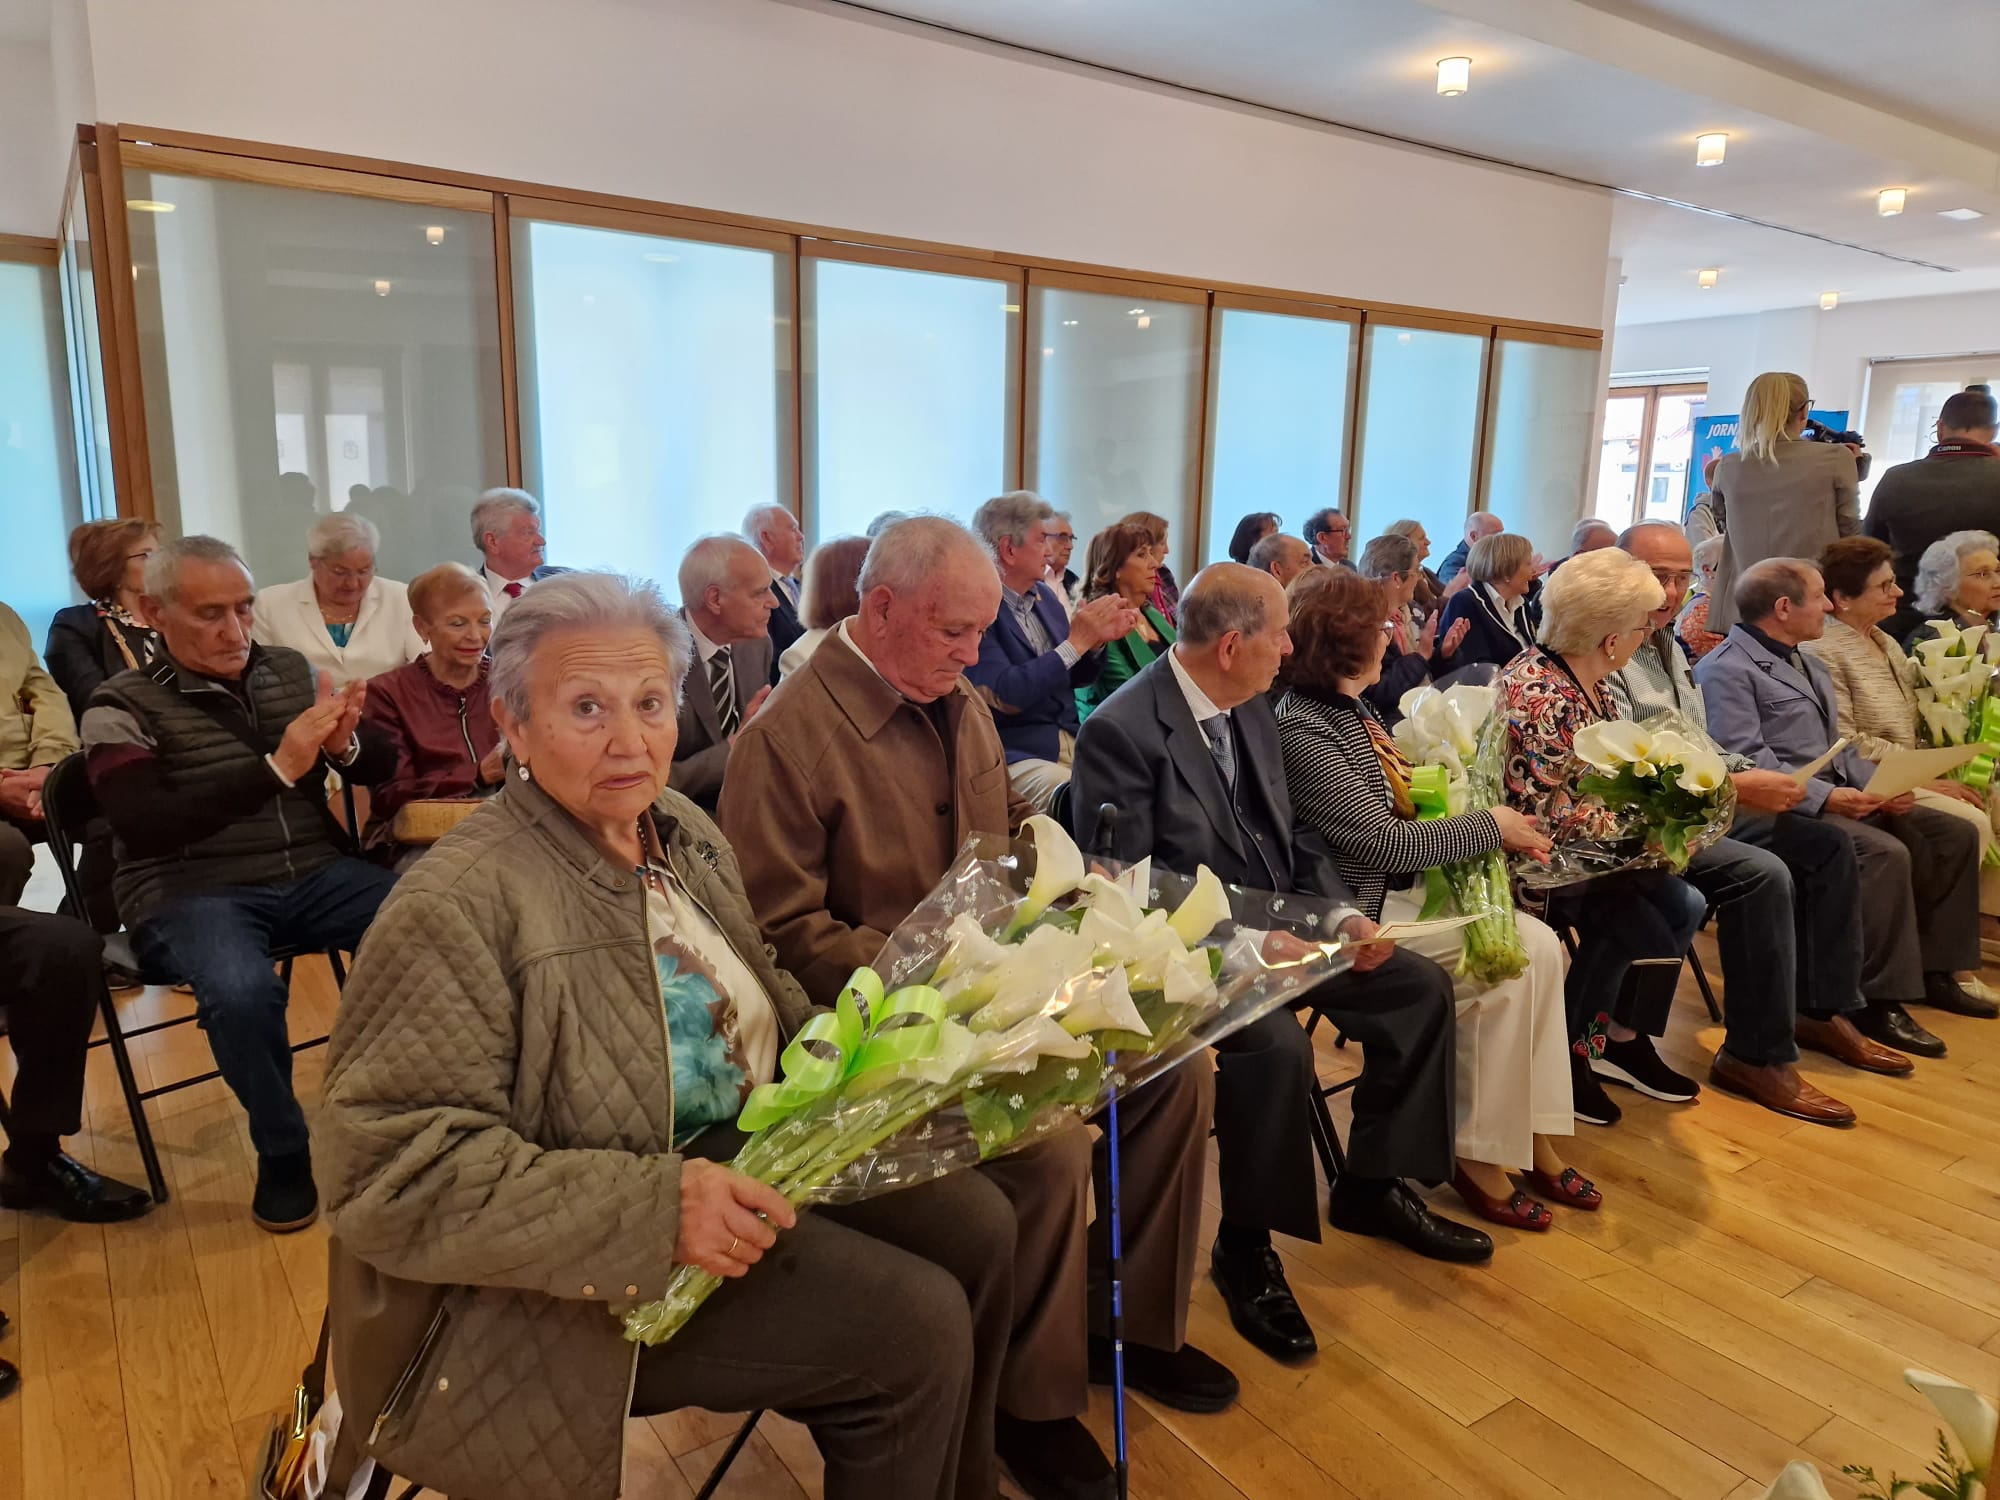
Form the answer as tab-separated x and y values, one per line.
848	797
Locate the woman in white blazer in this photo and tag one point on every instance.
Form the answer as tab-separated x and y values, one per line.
343	619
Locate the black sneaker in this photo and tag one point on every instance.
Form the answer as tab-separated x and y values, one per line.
1588	1100
1636	1065
1186	1380
1056	1460
286	1197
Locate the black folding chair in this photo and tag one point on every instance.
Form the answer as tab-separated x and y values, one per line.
1326	1140
1567	933
71	818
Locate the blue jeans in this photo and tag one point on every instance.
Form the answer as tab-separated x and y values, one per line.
220	942
1618	918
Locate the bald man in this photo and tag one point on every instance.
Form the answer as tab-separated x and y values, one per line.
1480	523
1281	555
1187	753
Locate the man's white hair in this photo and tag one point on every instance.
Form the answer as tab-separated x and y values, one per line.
494	509
909	552
707	566
1011	517
163	568
758	517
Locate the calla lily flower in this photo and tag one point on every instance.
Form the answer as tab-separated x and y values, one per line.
968	951
1058	869
1102	1001
1612	744
1112	902
1023	1044
1205	905
1800	1481
1702	771
1971	1417
1137	882
1038	967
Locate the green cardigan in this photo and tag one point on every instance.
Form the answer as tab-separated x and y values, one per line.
1122	660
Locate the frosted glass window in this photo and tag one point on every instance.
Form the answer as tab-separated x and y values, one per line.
37	475
910	379
1419	432
90	422
1278	434
261	310
1539	445
1114	398
655	390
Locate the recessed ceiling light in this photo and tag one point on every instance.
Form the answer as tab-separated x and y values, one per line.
1402	338
1828	301
1069	322
1707	279
1960	213
1889	202
1133	312
1454	76
148	206
1708	149
1047	351
434	233
381	288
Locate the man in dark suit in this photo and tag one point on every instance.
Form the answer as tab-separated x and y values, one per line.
1954	487
507	530
1187	753
1036	654
727	600
775	532
1330	535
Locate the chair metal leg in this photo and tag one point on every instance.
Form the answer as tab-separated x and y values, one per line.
1701	983
135	1105
721	1470
334	962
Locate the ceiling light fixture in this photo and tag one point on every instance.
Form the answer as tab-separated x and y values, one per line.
1960	213
148	206
1828	301
1454	76
434	233
381	288
1889	202
1069	322
1133	312
1709	148
1707	279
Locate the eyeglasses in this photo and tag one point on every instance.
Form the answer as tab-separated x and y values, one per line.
347	575
1673	582
1984	575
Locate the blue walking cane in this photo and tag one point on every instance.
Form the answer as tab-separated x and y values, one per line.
1107	822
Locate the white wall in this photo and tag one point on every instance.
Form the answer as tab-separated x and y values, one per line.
73	86
803	113
29	202
1830	349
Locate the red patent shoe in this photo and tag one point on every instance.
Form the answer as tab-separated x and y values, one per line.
1517	1212
1572	1188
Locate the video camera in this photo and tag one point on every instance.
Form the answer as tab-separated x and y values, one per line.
1819	432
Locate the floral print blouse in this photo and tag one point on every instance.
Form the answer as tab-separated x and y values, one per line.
1544	707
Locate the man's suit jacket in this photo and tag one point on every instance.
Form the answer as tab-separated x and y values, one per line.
703	754
1142	752
785	626
1761	706
1032	693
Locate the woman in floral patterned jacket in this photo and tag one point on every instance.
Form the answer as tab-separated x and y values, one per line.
1634	926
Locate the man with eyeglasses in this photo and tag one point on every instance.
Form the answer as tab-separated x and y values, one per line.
1329	534
1060	576
1785	889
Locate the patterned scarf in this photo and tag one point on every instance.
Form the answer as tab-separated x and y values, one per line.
1396	767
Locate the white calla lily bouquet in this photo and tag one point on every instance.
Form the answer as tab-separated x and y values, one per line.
1004	1008
1666	789
1973	1420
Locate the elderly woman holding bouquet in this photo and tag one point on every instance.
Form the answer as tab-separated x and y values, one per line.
1633	925
541	1047
1958	584
1351	783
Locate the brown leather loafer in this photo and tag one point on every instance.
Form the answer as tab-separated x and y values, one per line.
1836	1037
1779	1088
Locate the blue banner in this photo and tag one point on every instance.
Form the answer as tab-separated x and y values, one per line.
1715	436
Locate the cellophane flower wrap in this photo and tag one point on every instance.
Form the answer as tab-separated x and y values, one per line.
1011	1003
1956	704
1458	745
1650	794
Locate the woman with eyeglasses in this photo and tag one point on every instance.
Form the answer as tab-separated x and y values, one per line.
1958	584
341	617
1778	495
89	642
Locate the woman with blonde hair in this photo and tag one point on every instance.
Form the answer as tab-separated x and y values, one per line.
1777	495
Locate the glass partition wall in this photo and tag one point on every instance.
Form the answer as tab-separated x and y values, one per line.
299	340
38	469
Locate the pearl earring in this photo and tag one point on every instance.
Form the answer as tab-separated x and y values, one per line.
524	773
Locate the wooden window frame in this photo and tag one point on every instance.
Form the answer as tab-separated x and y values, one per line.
1649	419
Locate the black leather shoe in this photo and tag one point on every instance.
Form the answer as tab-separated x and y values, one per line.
1260	1302
1402	1216
1887	1022
64	1186
1186	1380
1057	1460
286	1198
10	1379
1944	992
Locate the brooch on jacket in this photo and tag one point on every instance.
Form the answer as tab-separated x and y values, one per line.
711	855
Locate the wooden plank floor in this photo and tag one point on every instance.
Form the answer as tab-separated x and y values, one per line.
1749	1295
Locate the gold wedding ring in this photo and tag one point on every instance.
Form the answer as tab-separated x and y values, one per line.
733	1244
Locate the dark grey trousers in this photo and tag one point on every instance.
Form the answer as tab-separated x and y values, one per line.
1919	899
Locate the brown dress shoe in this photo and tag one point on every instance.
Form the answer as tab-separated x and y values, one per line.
1836	1037
1780	1088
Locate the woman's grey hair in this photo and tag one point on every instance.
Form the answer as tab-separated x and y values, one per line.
340	533
1708	554
1010	517
1595	595
163	568
1937	569
494	509
594	602
1499	556
1588	527
908	552
1386	555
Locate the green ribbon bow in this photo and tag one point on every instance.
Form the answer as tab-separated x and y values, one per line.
863	1033
1430	795
1977	773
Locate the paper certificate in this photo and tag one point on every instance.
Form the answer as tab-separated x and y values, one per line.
1403	932
1812	768
1903	771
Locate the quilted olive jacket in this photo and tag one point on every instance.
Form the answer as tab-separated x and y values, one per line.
495	1145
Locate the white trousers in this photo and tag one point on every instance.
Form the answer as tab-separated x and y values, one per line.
1513	1043
1036	780
1989	875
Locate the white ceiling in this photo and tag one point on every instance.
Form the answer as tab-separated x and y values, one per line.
1824	100
24	23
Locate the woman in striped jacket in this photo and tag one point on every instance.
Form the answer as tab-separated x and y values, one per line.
1350	783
